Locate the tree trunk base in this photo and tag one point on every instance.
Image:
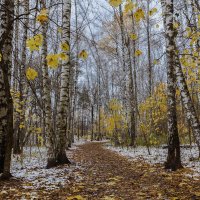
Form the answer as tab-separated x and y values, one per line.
6	176
173	165
62	159
51	163
1	164
17	151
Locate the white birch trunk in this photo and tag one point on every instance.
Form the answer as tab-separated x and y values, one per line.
173	159
64	102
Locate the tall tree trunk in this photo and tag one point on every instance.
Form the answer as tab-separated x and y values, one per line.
50	139
22	80
64	102
15	85
124	55
131	99
6	104
173	159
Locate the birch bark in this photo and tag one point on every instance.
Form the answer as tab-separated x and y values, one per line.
173	159
6	104
64	102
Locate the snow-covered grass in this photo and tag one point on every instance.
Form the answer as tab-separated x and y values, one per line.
158	155
31	168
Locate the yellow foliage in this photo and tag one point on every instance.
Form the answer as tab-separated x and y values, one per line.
139	15
129	6
114	105
153	11
35	42
155	62
38	130
21	126
60	30
83	55
31	74
115	3
138	52
176	25
153	111
53	60
43	16
65	46
133	36
1	57
64	57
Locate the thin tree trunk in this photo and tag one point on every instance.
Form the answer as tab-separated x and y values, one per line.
191	114
22	81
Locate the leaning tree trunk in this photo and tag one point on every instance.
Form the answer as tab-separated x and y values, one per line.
173	159
64	102
6	104
187	102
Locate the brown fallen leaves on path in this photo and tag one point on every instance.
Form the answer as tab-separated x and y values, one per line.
109	176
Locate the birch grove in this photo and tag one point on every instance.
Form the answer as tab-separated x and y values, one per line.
123	71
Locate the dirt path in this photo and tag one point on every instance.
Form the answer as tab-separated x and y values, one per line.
106	175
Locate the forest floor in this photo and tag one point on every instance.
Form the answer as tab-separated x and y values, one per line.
99	173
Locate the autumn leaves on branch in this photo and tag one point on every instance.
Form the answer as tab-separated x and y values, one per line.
53	60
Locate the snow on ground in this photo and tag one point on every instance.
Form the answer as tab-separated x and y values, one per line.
158	155
31	168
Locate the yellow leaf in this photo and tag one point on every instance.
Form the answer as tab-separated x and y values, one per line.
83	54
35	42
53	60
63	56
0	57
139	15
21	126
60	30
175	25
31	74
129	6
133	36
138	52
43	16
65	46
115	3
153	11
155	62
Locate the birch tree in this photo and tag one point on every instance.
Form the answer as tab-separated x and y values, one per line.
64	101
6	104
50	139
173	159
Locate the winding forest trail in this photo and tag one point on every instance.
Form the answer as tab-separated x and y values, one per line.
99	173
